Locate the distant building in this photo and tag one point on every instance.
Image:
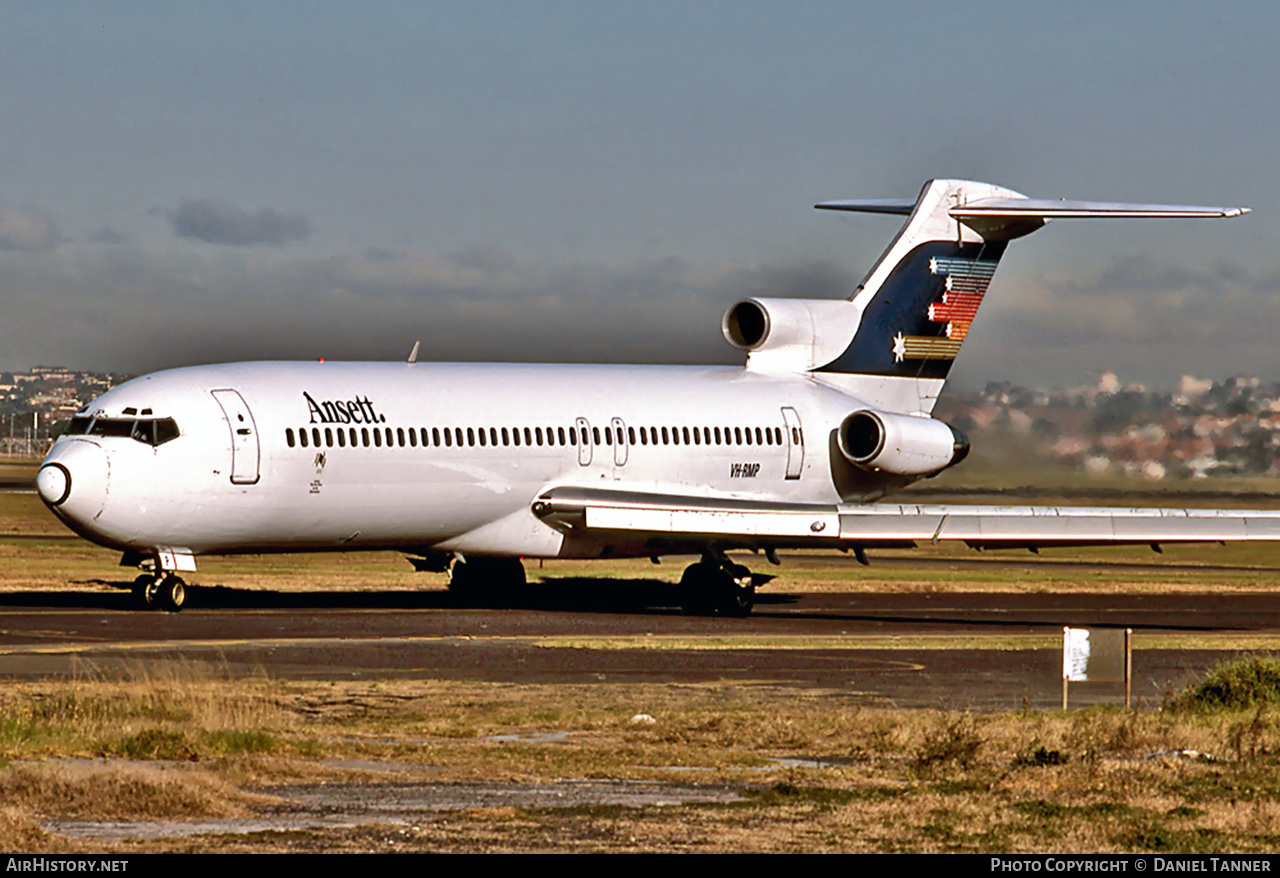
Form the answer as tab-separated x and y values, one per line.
1191	386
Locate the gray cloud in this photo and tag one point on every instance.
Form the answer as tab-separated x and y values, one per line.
26	228
126	309
381	254
108	235
218	222
1150	323
480	258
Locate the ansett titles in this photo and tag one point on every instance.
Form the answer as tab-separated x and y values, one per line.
342	411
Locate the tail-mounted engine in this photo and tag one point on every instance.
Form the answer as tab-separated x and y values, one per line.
790	335
900	444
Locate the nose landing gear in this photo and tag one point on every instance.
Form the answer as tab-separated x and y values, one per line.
160	591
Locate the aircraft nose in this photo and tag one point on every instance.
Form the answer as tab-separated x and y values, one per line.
53	483
73	480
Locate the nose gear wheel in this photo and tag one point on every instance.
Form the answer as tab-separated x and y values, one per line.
162	591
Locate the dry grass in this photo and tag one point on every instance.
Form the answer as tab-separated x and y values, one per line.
20	832
185	741
174	711
123	792
23	513
858	779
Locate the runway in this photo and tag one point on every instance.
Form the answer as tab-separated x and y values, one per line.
983	651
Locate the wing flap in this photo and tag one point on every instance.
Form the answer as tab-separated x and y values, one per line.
688	522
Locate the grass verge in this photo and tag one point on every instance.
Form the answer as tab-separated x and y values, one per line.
817	772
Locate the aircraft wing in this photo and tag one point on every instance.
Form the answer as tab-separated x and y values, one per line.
675	519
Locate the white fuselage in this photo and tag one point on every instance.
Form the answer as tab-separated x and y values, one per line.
443	457
832	410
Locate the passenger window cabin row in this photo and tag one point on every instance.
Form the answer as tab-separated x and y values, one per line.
450	437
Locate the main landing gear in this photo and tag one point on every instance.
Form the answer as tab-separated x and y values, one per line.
717	585
482	582
160	591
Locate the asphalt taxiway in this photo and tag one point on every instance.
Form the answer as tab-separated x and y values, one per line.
955	650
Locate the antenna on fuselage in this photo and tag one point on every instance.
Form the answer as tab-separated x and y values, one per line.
413	354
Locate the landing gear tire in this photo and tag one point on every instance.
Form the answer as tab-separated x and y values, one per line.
143	590
486	582
697	587
166	592
172	594
710	588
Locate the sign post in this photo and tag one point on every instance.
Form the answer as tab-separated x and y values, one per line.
1098	655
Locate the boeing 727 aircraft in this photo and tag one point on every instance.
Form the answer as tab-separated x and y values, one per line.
470	468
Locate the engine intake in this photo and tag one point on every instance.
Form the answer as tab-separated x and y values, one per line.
746	325
790	335
902	444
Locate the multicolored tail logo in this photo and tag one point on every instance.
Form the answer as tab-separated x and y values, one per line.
966	284
914	324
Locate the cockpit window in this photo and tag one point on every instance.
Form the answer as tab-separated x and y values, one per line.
150	431
112	427
166	429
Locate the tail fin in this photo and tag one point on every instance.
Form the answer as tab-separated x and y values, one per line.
917	303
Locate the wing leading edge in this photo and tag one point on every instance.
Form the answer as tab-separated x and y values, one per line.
681	519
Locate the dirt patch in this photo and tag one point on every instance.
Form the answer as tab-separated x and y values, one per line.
301	808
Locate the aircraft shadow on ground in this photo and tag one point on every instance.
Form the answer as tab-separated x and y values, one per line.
565	595
557	594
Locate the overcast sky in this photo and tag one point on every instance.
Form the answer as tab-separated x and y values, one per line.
587	181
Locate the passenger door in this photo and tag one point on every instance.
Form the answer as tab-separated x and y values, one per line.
585	444
620	446
795	442
245	451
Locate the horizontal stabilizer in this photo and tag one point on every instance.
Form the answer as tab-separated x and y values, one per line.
1042	208
1053	209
